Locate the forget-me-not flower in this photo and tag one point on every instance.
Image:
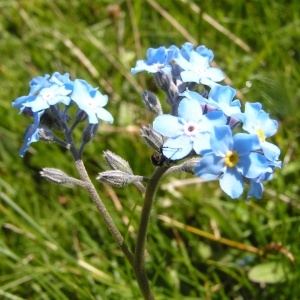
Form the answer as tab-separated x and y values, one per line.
221	97
91	101
231	158
158	60
196	66
257	121
189	131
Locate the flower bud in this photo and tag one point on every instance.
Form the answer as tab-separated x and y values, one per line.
89	132
152	103
80	116
55	175
152	138
163	80
116	162
117	178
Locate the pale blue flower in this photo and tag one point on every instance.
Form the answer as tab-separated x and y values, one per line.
221	97
258	122
158	60
187	48
189	131
49	96
91	101
60	79
38	83
196	67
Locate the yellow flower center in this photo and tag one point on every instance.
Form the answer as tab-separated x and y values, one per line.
231	159
260	134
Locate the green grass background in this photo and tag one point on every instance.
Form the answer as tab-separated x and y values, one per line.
53	243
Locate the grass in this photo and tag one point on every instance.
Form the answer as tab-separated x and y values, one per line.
53	243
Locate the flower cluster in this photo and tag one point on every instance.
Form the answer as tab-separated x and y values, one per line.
203	117
46	97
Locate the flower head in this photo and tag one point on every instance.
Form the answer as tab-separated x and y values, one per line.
158	60
221	97
232	158
195	65
44	92
189	131
91	101
258	122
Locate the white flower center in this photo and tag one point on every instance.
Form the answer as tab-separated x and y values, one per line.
191	129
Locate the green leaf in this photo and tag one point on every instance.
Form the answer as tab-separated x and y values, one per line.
270	272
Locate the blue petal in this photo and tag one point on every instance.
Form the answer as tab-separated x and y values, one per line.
203	51
80	92
190	76
271	151
198	61
255	190
168	125
178	147
210	166
253	165
104	115
222	94
193	95
214	74
189	110
221	140
202	143
268	126
232	183
244	143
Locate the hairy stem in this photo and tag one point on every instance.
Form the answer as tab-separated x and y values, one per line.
139	254
103	211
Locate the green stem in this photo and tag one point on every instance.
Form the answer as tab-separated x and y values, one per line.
139	254
103	211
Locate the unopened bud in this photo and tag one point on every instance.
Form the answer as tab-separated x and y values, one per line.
163	80
152	103
89	132
80	116
152	138
55	175
117	178
116	162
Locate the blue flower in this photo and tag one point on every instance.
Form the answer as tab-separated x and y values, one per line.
221	98
38	83
187	48
196	66
91	101
258	122
255	184
232	157
189	131
32	133
49	96
60	79
44	93
158	60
